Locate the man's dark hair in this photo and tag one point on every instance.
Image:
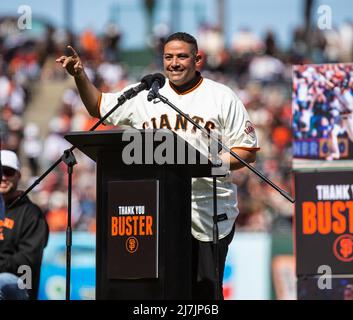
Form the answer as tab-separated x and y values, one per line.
183	36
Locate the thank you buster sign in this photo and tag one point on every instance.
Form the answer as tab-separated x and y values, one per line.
133	229
324	222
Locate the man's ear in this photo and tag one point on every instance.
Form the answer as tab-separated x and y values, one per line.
198	58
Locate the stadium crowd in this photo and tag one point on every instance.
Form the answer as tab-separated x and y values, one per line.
257	69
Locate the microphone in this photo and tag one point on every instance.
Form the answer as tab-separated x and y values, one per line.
145	84
158	81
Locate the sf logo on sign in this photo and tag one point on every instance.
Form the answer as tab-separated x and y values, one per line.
131	244
343	248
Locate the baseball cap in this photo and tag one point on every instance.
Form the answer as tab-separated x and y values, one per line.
10	159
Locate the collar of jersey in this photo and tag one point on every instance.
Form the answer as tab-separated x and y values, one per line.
189	86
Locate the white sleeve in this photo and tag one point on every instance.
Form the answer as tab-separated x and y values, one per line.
122	115
238	129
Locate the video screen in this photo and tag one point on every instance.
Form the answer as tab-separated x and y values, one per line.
322	106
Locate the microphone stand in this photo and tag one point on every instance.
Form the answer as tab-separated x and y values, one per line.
69	159
215	162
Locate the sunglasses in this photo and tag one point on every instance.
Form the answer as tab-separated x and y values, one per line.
8	172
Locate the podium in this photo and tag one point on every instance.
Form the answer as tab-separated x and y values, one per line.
143	214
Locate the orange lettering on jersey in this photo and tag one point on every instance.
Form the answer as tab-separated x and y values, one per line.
180	122
154	123
198	120
165	122
209	126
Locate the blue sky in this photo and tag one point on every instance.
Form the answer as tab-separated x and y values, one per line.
259	15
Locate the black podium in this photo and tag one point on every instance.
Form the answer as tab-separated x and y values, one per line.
143	240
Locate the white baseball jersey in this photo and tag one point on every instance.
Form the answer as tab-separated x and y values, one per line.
213	106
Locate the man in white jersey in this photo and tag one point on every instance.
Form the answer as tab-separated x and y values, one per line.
210	104
345	108
342	111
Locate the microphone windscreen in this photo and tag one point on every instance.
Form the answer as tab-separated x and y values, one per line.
148	80
160	78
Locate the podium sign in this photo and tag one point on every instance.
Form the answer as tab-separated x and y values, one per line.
133	229
324	222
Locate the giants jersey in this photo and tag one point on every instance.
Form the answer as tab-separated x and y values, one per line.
213	106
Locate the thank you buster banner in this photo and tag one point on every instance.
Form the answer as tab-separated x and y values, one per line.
133	229
324	222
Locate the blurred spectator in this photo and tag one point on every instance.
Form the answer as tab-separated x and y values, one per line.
348	292
246	42
55	144
332	48
160	33
90	44
111	43
23	236
346	39
111	74
57	211
32	147
212	43
270	44
299	47
266	68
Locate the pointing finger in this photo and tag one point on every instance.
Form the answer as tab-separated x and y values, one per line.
73	51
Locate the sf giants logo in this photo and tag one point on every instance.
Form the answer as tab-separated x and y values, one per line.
343	248
131	244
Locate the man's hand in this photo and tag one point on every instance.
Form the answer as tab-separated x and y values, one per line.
89	94
72	63
248	155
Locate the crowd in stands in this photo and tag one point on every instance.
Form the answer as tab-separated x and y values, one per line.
256	68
